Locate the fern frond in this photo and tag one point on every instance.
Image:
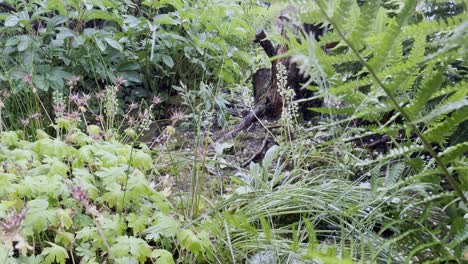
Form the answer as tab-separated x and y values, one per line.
365	23
446	128
451	153
343	11
429	27
393	31
394	173
431	83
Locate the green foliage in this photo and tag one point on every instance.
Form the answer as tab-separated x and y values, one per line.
86	199
152	45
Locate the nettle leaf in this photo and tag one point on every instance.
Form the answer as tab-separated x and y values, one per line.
165	226
54	254
162	256
131	247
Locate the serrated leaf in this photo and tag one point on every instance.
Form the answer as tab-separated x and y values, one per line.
131	247
189	241
165	226
162	256
54	254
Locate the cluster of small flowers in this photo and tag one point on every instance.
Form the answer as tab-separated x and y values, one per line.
246	96
59	103
146	118
110	100
13	223
290	107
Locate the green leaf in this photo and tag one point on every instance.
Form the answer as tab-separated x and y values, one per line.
54	254
57	5
114	43
142	160
131	247
162	256
99	14
165	226
39	216
11	21
167	60
23	44
165	19
189	241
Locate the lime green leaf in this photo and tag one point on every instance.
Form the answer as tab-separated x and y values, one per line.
131	247
165	226
162	256
142	160
10	138
64	238
165	19
189	241
54	254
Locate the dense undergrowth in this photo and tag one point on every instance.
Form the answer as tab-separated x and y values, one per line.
380	175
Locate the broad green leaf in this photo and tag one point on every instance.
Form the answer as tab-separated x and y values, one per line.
165	19
114	43
11	21
167	60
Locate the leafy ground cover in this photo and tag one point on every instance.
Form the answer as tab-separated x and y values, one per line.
110	113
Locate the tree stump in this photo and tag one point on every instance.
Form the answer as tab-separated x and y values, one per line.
266	85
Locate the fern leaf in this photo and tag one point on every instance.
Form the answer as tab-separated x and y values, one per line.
431	83
453	152
391	36
444	129
365	23
446	108
394	173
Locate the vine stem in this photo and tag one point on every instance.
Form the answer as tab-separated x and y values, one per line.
412	125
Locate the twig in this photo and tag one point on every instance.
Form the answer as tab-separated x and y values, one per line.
258	153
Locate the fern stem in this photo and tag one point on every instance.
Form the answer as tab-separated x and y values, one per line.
412	125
